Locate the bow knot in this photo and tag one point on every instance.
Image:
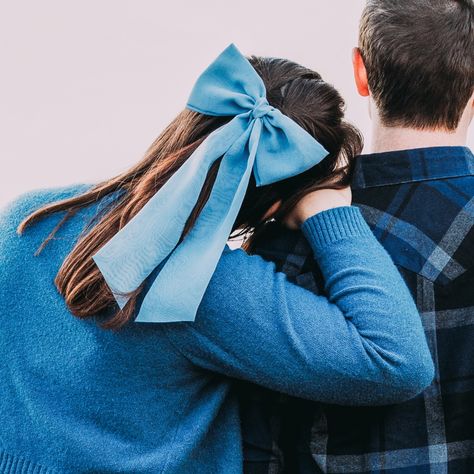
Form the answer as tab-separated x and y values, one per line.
261	108
273	149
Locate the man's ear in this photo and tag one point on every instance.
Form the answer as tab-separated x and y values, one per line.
360	73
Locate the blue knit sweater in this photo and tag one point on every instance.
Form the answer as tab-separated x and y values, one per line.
158	398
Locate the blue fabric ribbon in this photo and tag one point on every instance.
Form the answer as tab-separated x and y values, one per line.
259	138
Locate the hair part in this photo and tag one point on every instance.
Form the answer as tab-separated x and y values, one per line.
419	56
296	91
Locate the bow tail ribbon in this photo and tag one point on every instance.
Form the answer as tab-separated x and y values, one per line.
179	287
130	256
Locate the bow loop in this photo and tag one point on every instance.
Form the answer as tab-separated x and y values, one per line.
274	149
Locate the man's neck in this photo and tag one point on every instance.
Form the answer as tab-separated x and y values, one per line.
393	138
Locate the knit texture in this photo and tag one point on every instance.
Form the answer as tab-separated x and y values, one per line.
334	225
157	397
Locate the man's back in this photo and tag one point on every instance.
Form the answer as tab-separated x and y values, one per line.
420	205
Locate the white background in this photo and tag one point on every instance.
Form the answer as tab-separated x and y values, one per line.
86	86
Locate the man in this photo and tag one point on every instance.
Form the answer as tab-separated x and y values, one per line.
415	62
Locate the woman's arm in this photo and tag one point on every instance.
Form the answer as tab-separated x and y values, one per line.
364	344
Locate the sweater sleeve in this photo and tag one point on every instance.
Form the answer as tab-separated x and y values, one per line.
363	344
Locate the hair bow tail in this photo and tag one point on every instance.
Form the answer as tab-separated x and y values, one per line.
179	287
130	256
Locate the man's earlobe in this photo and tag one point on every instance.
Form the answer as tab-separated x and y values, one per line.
360	73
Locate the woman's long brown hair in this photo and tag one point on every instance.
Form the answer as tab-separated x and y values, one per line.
295	90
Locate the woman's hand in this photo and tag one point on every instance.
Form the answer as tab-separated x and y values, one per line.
316	202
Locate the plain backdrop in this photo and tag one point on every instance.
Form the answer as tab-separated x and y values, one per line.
86	86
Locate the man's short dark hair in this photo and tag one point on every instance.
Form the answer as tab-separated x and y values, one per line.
419	56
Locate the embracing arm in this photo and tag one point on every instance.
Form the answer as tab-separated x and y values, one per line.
364	344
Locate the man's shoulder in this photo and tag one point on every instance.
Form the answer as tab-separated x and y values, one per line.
426	226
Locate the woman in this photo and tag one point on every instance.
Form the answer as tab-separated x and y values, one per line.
144	255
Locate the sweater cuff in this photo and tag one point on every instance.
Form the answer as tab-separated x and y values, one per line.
335	224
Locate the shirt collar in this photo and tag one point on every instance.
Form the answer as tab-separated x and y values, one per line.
408	166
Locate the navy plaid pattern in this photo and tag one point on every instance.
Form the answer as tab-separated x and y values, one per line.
420	205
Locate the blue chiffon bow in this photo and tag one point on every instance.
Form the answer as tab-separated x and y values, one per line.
259	138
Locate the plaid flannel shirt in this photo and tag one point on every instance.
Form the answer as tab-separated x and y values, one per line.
420	205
